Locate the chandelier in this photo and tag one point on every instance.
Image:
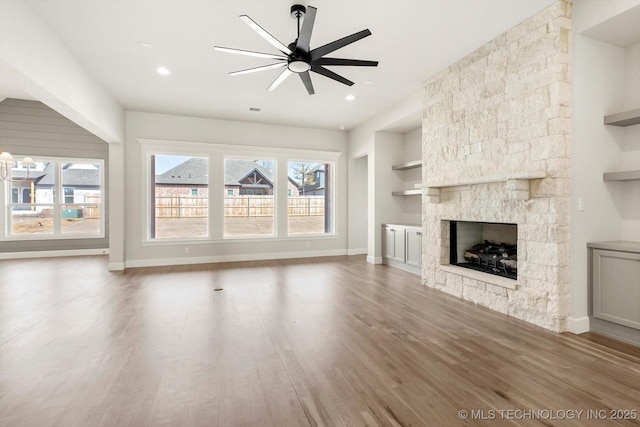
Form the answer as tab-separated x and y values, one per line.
7	162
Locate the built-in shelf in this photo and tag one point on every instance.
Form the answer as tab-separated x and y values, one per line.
406	166
415	192
633	175
627	118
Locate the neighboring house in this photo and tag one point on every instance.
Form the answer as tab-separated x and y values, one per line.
241	177
318	186
79	184
190	178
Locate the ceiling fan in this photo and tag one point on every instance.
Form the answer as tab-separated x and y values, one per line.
298	58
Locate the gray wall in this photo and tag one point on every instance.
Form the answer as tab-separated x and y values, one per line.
30	128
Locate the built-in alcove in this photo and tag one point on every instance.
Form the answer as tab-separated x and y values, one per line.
484	246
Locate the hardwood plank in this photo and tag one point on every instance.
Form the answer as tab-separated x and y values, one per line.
321	341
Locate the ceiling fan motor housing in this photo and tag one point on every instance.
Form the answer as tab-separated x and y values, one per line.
298	10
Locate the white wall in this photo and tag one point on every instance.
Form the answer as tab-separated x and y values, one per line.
605	82
209	131
358	202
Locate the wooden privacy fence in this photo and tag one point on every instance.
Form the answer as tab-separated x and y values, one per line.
236	206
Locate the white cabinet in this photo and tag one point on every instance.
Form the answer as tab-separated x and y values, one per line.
393	242
402	246
614	279
615	282
413	246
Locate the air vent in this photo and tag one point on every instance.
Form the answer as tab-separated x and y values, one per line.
254	109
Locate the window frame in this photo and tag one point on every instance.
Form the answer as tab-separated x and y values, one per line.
334	196
58	204
216	154
149	181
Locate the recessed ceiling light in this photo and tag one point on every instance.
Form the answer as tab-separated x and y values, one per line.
163	71
368	82
342	127
145	44
350	97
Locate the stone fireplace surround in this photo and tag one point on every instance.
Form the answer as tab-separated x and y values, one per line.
496	148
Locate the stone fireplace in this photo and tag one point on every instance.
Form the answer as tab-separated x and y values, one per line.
496	149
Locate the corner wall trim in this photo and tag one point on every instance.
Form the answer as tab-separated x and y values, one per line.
578	325
53	254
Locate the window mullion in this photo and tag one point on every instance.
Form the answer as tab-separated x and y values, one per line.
58	199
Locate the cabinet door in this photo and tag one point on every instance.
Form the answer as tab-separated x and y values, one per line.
616	287
414	246
388	242
398	245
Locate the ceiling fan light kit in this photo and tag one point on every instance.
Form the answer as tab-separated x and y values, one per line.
298	58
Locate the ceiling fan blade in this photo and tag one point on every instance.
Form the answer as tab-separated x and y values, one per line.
262	68
285	73
328	73
268	37
249	53
335	45
306	79
307	27
340	61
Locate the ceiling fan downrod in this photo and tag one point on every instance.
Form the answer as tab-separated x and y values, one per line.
298	11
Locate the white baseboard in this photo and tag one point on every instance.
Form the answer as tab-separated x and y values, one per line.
578	325
159	262
361	251
374	260
53	254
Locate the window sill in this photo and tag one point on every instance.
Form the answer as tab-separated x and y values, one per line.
239	239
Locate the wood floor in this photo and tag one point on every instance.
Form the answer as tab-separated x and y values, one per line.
325	341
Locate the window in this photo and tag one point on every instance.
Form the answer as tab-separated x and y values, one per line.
310	198
229	192
35	210
252	211
180	202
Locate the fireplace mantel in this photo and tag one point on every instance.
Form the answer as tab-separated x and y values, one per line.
517	184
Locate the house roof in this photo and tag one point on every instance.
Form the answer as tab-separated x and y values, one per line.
70	177
235	170
191	172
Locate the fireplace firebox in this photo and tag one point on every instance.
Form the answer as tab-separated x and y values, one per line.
485	246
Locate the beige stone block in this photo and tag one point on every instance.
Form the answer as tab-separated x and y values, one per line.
467	97
548	147
560	126
473	62
544	253
558	168
472	79
493	89
560	92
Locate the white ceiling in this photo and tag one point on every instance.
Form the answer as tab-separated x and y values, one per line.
412	39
